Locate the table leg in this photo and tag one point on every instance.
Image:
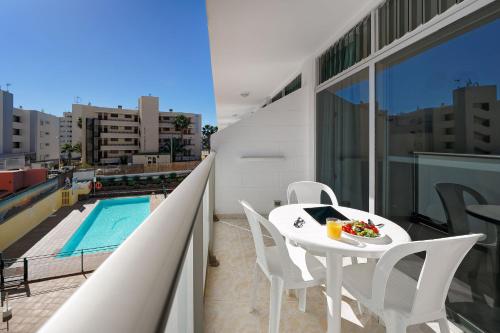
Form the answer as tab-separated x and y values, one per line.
334	291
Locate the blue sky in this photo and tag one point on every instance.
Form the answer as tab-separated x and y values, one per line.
108	52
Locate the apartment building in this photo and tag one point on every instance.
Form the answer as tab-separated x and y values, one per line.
115	135
28	135
65	129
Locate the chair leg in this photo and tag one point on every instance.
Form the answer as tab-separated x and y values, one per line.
444	327
302	295
360	308
395	326
255	288
275	307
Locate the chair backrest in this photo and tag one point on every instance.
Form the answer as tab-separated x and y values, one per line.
443	256
310	192
452	198
256	222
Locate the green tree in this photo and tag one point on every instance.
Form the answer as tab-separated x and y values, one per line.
181	124
177	145
78	148
69	149
206	133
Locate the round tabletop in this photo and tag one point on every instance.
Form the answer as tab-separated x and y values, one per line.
312	235
486	212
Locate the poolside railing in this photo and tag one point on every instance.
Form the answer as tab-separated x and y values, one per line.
154	281
15	271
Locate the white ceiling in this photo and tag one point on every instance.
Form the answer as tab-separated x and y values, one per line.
256	45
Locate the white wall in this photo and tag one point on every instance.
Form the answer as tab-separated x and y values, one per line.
281	129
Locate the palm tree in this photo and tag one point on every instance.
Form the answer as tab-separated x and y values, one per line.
78	148
68	149
178	147
181	123
206	133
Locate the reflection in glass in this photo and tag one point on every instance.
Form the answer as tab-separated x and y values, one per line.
342	140
438	154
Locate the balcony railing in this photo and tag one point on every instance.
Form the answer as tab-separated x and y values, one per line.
154	282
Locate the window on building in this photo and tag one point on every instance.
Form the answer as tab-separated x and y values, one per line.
16	145
421	175
350	49
114	115
294	85
448	117
342	139
16	119
128	116
16	131
398	17
482	106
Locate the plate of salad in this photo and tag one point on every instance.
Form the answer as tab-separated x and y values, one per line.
361	229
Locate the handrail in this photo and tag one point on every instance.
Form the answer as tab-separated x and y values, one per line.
133	290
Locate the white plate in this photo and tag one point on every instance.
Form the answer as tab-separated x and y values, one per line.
380	235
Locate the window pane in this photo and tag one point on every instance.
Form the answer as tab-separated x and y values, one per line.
438	152
342	140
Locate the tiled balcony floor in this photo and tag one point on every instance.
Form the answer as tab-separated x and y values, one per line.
228	294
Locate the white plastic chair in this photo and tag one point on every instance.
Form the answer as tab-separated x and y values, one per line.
285	265
310	192
401	301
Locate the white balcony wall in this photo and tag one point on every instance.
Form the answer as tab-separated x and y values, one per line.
280	136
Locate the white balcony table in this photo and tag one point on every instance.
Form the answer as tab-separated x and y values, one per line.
312	236
489	213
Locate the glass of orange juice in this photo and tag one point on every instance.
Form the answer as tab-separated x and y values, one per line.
333	228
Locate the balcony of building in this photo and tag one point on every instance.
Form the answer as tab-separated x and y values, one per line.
119	134
119	147
119	122
309	117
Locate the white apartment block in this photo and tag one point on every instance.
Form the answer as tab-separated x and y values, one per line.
65	129
114	135
31	134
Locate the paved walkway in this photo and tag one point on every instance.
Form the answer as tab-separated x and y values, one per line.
30	313
229	289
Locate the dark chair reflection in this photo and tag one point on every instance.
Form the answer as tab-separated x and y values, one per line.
479	269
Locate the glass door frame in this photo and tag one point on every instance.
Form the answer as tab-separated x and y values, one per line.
437	23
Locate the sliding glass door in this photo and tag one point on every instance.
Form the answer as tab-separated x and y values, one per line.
437	146
438	153
342	140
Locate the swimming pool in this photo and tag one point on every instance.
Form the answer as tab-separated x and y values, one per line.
109	223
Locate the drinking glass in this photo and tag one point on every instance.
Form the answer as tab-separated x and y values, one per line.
333	228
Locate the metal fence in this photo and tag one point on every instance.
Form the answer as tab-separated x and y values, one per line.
43	267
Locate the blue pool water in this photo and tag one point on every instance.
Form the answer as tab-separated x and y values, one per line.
110	223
